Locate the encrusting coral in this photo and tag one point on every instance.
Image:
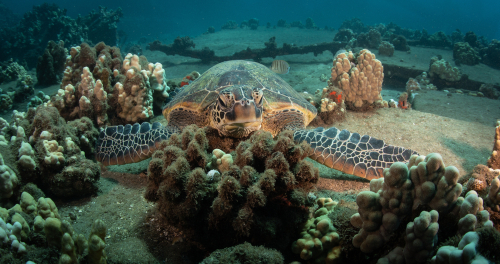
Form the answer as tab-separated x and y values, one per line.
45	150
261	197
360	79
443	70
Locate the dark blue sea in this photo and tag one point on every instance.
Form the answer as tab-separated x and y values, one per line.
166	19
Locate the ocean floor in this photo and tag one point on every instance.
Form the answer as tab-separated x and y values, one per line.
459	127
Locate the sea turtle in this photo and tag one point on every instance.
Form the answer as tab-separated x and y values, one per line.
238	98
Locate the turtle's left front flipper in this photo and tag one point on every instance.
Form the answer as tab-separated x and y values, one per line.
362	156
118	145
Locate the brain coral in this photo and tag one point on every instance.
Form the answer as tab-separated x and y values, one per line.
261	198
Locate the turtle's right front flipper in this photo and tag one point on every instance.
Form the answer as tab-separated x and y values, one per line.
118	145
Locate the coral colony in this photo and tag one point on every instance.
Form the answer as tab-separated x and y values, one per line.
254	196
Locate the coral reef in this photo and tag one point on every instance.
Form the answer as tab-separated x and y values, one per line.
438	39
12	71
479	179
353	24
231	24
8	180
46	22
310	23
360	78
463	53
344	35
426	191
98	84
261	198
467	251
101	25
493	54
45	150
253	23
423	182
50	66
319	241
330	105
30	228
489	91
443	70
400	43
386	48
372	39
494	160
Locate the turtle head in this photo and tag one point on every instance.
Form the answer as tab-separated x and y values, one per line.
237	111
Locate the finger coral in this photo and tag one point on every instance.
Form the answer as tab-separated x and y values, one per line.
360	78
424	181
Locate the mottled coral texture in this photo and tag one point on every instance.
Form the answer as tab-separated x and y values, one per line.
62	153
99	84
261	198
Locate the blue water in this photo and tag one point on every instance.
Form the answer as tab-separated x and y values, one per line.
167	19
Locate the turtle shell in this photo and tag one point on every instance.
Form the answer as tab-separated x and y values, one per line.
204	91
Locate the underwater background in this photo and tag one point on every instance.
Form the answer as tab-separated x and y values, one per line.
156	19
390	153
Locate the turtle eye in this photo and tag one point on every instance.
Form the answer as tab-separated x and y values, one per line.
226	99
257	95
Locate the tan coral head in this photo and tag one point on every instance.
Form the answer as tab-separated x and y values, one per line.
238	111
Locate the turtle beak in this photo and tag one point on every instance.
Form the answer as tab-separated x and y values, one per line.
245	114
245	111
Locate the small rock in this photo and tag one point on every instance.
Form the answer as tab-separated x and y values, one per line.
72	216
